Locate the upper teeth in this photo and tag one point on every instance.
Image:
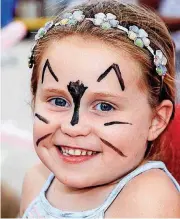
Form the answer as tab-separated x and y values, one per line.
76	152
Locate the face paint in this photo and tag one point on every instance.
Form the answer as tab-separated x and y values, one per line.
42	138
76	90
114	148
118	74
41	118
116	122
47	64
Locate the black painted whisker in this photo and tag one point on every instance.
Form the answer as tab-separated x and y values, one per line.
42	138
42	118
116	122
114	148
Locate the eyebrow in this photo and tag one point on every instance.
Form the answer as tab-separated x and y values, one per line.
54	91
109	95
118	74
98	94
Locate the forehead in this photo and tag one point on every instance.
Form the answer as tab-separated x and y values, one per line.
75	58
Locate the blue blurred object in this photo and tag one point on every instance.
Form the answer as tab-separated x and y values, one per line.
7	11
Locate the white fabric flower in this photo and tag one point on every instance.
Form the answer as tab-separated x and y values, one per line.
106	21
159	58
43	30
160	61
139	35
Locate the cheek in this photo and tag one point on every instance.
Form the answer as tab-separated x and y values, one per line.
130	139
136	138
41	129
119	136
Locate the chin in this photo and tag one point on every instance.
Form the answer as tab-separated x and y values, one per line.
78	181
74	182
82	182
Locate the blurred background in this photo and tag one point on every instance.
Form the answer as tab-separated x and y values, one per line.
20	20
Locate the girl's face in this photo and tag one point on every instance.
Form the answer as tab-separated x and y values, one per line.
88	104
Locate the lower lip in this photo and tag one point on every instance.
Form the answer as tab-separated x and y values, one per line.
75	159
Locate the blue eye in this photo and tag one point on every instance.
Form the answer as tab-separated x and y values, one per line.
60	102
104	107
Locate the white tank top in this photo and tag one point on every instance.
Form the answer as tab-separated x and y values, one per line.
41	208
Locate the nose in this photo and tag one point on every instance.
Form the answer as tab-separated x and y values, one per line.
82	128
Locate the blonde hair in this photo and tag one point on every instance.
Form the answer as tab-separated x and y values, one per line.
127	14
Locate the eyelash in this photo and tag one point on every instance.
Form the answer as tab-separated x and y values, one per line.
107	104
59	98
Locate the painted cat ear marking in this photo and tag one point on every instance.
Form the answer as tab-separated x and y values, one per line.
42	138
76	89
47	64
42	118
118	74
116	122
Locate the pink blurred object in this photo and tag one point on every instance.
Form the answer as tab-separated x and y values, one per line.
14	136
11	34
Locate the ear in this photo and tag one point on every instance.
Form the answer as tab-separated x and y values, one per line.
160	120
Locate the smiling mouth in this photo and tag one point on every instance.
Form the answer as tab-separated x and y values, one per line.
68	151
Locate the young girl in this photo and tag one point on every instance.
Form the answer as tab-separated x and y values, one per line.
103	94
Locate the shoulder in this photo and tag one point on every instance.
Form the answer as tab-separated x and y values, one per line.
151	194
33	181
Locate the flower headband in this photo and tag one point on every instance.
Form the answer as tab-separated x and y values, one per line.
106	21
